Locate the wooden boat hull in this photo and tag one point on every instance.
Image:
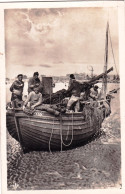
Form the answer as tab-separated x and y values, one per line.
43	131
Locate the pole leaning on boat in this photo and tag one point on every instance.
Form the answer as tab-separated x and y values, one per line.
18	130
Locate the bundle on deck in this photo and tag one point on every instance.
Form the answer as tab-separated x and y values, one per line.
55	98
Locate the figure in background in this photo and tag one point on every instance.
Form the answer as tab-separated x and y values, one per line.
17	89
94	92
34	99
34	82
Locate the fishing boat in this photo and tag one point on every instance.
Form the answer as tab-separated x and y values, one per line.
44	131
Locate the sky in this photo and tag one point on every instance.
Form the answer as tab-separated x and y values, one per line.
58	41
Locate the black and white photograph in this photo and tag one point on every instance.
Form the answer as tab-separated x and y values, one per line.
62	84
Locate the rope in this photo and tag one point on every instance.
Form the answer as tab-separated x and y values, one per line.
100	116
62	142
112	51
105	114
67	133
61	131
90	121
51	137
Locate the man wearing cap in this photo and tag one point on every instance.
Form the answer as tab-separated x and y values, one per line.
17	88
75	89
72	77
33	82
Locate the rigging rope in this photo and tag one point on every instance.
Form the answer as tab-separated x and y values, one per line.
112	52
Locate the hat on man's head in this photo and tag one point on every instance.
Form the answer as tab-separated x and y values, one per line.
20	75
72	76
35	73
96	87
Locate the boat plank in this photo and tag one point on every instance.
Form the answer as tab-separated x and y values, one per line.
49	116
41	122
41	130
56	130
39	137
65	122
10	123
38	147
55	137
9	120
30	142
34	143
33	138
11	128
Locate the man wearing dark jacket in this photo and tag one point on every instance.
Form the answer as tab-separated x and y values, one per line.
17	88
72	77
75	89
34	82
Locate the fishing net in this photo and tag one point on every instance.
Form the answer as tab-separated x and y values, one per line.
94	115
28	111
55	97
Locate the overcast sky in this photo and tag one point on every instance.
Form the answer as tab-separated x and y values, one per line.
58	41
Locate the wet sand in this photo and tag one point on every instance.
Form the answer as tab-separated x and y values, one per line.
94	165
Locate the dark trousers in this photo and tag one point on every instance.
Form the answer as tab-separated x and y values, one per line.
16	97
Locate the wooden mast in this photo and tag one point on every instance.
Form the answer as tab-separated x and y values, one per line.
106	63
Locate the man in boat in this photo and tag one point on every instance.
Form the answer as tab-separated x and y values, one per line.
72	77
94	92
75	90
34	98
34	82
17	89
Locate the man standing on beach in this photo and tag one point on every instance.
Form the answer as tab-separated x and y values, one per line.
17	89
34	82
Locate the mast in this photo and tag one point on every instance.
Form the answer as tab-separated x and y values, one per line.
91	71
105	63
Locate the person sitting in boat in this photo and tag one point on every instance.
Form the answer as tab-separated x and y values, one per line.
94	93
34	82
17	89
34	99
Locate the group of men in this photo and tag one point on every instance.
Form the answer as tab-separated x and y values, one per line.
34	98
34	90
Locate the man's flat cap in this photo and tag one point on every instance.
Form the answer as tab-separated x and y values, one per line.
72	76
20	75
36	73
